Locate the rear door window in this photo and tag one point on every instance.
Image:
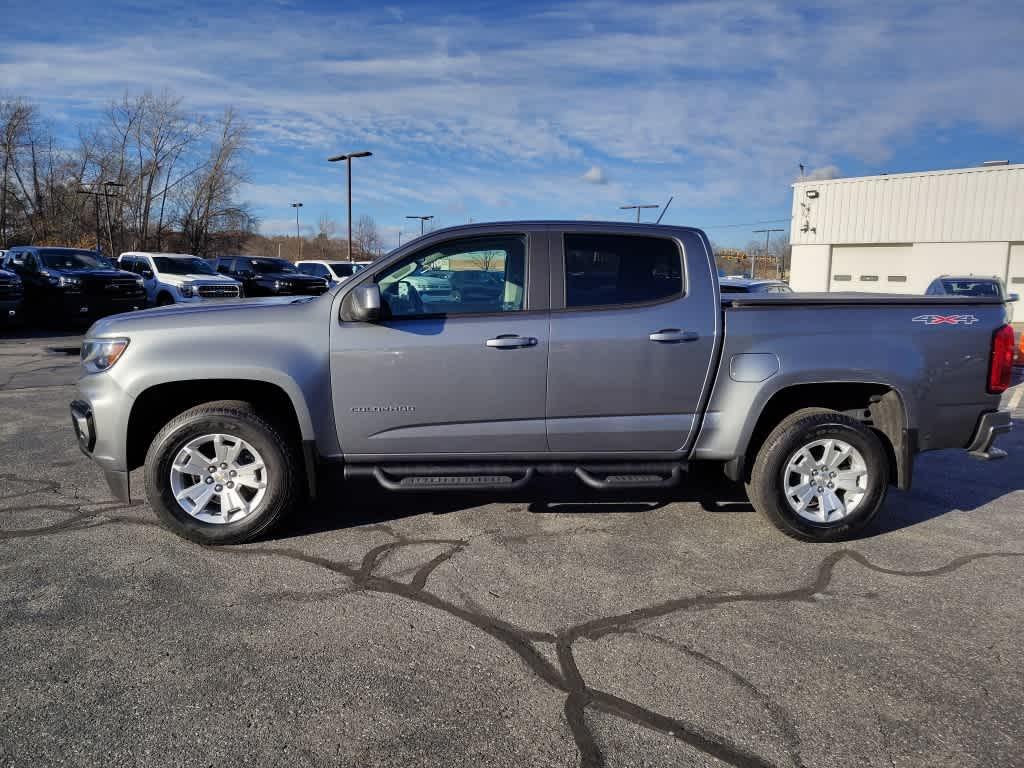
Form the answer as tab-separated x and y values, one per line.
616	270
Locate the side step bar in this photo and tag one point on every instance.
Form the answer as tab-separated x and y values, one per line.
513	476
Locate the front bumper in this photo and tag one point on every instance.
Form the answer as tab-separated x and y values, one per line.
76	305
990	426
84	424
99	420
11	311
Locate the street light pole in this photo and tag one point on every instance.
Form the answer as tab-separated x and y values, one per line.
110	232
638	208
422	220
298	237
348	162
767	234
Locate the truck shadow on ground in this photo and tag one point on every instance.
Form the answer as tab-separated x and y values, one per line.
941	486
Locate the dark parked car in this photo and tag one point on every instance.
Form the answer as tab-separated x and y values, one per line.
733	284
11	298
262	276
62	284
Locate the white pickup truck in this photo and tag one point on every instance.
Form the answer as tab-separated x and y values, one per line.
178	278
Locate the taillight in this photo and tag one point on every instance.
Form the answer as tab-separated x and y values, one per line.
1000	370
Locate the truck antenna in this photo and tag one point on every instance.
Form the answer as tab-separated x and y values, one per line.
670	199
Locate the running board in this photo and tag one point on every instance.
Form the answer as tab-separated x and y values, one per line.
630	480
513	476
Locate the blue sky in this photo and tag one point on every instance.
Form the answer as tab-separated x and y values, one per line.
500	111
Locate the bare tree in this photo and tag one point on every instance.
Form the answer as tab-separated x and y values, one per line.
367	240
208	203
181	175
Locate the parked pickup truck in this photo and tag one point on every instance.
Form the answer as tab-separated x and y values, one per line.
608	354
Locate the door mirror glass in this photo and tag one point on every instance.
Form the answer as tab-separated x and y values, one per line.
366	303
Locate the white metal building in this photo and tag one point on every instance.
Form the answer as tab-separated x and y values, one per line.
896	233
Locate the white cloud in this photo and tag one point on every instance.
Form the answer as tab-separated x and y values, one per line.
712	102
821	174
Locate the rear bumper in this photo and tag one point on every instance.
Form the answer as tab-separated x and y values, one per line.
990	426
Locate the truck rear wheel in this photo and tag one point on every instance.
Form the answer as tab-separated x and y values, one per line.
820	476
221	474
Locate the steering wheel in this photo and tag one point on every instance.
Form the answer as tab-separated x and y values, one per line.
402	293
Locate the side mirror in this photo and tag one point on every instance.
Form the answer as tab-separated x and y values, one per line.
366	303
147	274
1013	297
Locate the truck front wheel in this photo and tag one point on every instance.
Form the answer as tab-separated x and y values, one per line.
220	473
820	476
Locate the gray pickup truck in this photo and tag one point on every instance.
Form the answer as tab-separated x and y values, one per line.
602	351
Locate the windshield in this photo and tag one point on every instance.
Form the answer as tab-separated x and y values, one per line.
190	266
265	266
72	260
971	287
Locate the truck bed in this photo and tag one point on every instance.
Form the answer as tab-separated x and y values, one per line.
852	298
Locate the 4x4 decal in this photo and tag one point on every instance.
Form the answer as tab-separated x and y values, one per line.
946	319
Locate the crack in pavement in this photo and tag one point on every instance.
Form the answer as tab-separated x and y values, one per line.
566	677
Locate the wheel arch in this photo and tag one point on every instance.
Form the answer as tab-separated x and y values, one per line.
158	403
880	406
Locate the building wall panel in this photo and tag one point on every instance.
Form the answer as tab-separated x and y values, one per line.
969	204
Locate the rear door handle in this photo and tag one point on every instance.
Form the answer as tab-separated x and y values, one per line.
672	336
511	341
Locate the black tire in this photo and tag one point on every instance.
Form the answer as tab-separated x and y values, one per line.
164	300
238	419
766	487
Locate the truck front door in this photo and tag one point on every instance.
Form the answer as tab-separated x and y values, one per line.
447	374
634	326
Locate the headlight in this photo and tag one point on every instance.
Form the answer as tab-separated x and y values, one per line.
101	354
187	290
281	285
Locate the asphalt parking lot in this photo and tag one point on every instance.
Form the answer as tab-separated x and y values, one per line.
550	629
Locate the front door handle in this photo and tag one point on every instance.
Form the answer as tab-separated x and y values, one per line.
672	336
511	341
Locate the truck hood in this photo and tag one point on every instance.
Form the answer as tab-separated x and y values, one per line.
178	316
196	277
292	277
102	273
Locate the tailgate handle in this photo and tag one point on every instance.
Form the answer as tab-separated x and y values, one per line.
672	336
511	341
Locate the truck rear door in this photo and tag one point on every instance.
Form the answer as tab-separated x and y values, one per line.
634	330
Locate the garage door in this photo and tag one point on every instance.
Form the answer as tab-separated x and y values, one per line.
871	268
